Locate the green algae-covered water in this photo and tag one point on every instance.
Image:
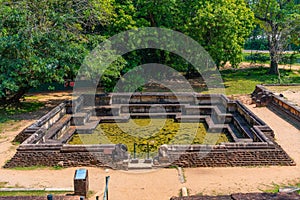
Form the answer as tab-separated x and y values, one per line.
156	132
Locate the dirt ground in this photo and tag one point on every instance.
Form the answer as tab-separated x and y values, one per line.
249	65
291	93
292	96
251	179
163	183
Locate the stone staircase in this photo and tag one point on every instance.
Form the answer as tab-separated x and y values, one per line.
57	130
140	164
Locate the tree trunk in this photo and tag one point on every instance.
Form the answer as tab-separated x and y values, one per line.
274	50
15	99
274	63
152	20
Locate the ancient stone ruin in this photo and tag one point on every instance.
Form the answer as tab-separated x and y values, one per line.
45	142
277	103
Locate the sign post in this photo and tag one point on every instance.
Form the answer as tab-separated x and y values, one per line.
148	153
134	150
105	196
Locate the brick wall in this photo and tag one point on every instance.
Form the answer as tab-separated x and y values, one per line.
66	155
229	155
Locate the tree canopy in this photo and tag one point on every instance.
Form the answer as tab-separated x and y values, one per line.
216	20
45	41
280	19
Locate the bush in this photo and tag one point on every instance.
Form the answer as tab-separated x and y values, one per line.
257	58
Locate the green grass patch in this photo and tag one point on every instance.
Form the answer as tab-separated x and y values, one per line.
38	167
243	81
275	187
23	107
3	184
264	58
33	193
7	118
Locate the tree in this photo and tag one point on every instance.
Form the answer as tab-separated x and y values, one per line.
221	28
45	41
208	22
280	19
258	40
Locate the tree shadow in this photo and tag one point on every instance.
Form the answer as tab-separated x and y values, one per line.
286	118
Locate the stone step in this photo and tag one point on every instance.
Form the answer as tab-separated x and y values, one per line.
68	134
89	126
152	108
57	127
242	126
81	118
191	118
112	119
153	115
140	165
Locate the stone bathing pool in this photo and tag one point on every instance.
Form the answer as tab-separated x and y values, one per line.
154	132
100	130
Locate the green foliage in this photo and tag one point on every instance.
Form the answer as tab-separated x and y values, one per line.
275	187
208	22
45	41
221	27
257	40
264	58
31	193
280	21
289	59
257	58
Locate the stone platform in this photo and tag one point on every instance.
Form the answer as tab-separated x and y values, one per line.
45	141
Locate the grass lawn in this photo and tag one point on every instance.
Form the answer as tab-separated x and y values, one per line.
24	107
264	58
243	81
32	193
275	187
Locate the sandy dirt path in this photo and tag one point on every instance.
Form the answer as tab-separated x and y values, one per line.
251	179
131	185
7	149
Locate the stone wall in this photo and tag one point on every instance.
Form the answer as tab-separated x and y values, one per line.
43	123
287	107
258	149
227	155
67	156
263	97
